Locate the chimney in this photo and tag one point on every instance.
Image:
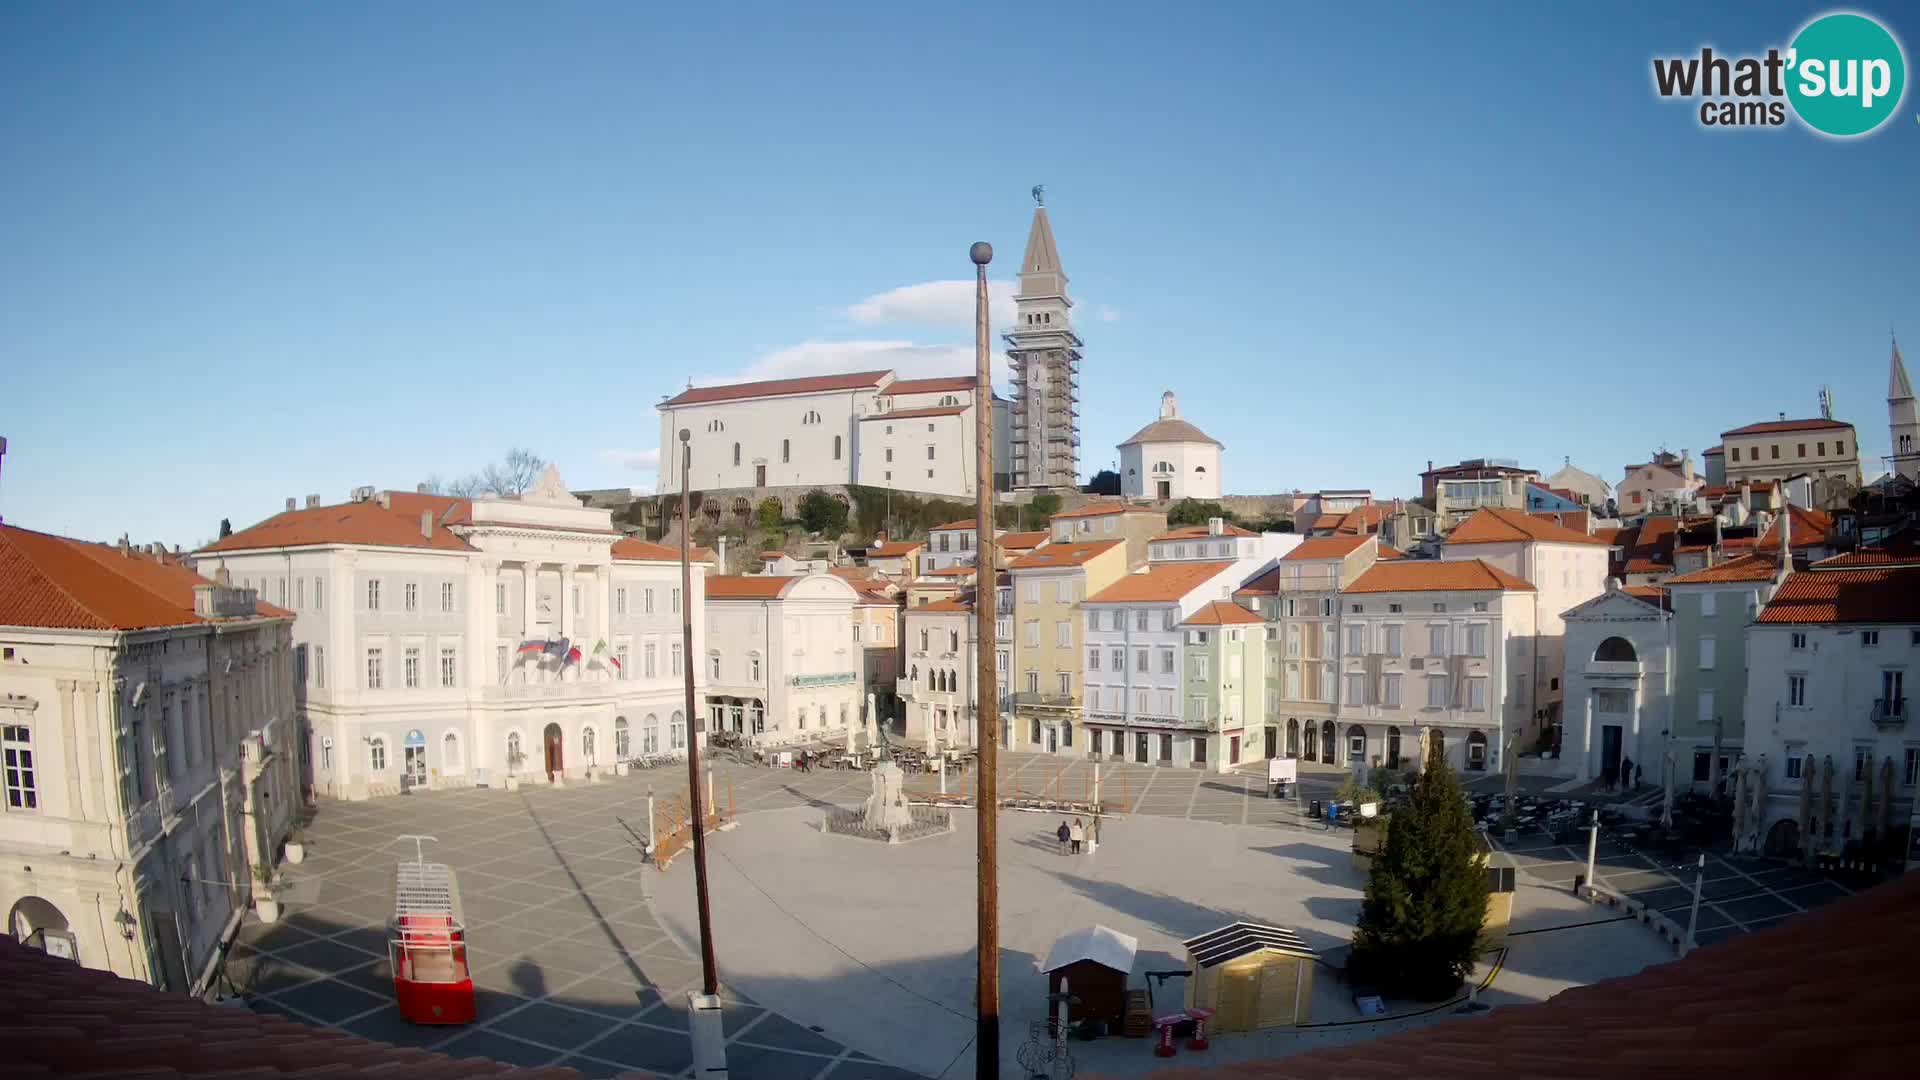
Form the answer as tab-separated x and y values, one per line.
223	577
1613	584
426	524
386	501
420	489
1216	526
122	544
313	501
1686	468
723	552
1783	416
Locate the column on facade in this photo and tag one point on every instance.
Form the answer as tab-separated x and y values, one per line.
483	575
603	606
569	618
347	667
529	581
69	713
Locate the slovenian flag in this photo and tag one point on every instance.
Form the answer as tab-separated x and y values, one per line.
601	654
530	646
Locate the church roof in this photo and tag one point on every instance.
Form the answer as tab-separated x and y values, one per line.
812	384
1169	431
1042	257
1898	387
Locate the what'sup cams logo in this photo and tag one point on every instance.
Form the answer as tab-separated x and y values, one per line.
1843	75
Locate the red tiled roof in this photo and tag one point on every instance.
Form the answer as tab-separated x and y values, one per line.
911	414
1711	451
1772	426
894	550
1648	566
968	525
1566	519
1900	549
58	1018
1326	547
957	570
1430	575
961	602
632	548
362	523
1609	535
57	583
1656	595
1883	594
1062	555
1221	613
1266	584
1104	507
1759	567
1490	525
1022	541
748	586
812	384
1162	582
1363	519
1811	528
945	384
1201	532
1824	994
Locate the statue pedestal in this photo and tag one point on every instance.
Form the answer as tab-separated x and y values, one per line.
886	808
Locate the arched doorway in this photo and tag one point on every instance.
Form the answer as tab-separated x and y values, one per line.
37	924
1293	738
1436	747
1393	748
1356	746
1477	751
1310	749
555	752
1783	840
1329	750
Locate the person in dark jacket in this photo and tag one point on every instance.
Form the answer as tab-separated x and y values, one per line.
1065	834
1626	774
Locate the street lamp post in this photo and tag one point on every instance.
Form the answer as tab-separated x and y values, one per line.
986	1052
709	1038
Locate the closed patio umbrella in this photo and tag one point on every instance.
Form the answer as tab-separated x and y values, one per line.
1825	814
1758	833
1884	820
1666	807
1739	801
1806	806
1866	800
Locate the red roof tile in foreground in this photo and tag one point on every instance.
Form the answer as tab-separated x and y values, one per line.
1327	547
1772	426
58	1018
1201	532
1490	525
1824	994
1429	575
1162	583
1054	555
1221	613
361	523
1757	567
812	384
1884	594
56	583
947	604
1363	519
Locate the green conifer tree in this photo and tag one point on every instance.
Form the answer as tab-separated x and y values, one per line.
1419	927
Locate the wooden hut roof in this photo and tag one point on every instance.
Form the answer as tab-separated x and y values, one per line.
1231	942
1106	947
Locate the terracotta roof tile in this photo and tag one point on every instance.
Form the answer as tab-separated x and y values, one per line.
1652	594
1430	575
1327	547
71	1020
1162	583
1170	430
1264	584
1757	567
1054	555
1826	993
748	586
1900	549
1022	541
1490	525
951	526
894	550
1201	532
812	384
958	570
1362	519
1884	594
914	414
361	523
1710	451
632	548
962	602
55	582
1221	613
1811	528
1608	535
1103	507
1772	426
1576	520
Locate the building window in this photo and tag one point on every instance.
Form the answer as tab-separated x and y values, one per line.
410	666
753	668
736	453
1795	758
1391	646
713	667
1436	641
1436	692
373	594
1869	638
1063	633
449	667
1706	714
674	600
299	592
320	666
1773	452
836	448
450	751
1797	691
1839	447
1166	661
1356	689
500	661
1477	695
1803	449
786	451
1821	448
1910	772
1093	659
1733	453
16	746
377	754
1066	682
620	601
411	594
1707	605
1033	684
1706	654
499	598
1391	698
446	596
376	668
1356	640
1798	640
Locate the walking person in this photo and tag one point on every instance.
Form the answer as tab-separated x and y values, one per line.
1626	774
1637	775
1065	834
1078	834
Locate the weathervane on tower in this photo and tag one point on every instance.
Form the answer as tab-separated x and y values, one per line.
1039	194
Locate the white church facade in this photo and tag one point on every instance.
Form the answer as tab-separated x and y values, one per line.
1170	459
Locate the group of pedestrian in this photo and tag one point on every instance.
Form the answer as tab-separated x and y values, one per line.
1072	836
1622	777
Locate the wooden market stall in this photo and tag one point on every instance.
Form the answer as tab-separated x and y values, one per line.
1094	964
1251	976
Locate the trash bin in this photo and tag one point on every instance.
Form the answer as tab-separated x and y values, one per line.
1579	884
1314	810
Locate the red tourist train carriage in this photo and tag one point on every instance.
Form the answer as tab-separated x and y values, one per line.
427	943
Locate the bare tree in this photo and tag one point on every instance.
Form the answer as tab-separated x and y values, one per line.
511	476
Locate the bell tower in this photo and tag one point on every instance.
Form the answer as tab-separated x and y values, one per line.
1903	421
1044	353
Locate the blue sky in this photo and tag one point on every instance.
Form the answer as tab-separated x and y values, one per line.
266	250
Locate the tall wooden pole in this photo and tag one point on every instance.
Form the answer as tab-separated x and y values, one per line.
709	974
986	594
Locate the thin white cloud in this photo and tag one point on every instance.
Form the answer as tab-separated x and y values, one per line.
933	303
907	359
637	460
1105	313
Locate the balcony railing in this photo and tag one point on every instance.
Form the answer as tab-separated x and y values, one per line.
1043	700
1889	712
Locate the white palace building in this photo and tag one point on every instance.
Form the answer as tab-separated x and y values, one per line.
443	642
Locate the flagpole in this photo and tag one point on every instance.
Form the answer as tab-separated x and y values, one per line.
986	1049
710	978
